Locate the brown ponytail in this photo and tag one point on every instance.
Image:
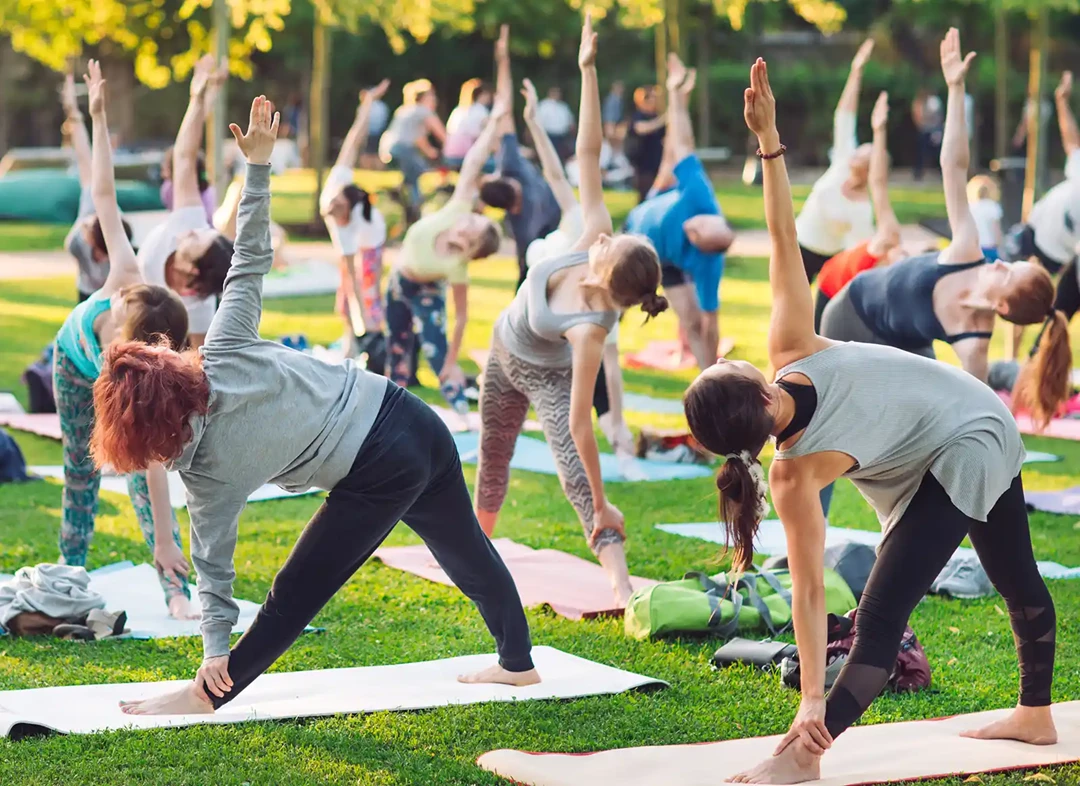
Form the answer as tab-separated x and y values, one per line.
741	506
1044	383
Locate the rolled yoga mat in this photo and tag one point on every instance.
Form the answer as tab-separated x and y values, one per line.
571	586
86	709
863	755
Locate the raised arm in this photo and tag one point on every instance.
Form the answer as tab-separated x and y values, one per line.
849	99
791	325
590	139
504	83
358	132
887	233
123	269
680	132
189	138
1070	134
237	320
80	140
554	173
955	156
468	182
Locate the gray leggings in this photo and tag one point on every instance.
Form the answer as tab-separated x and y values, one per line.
841	322
510	386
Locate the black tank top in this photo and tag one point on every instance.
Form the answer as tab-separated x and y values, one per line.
805	399
897	301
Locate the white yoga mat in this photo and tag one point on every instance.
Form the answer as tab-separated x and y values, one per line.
770	540
177	493
306	694
863	755
313	277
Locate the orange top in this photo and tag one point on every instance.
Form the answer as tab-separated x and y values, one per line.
838	271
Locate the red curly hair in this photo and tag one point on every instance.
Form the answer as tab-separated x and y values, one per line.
142	401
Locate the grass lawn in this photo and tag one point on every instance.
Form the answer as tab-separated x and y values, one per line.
384	616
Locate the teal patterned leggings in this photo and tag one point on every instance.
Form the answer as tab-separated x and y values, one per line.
75	403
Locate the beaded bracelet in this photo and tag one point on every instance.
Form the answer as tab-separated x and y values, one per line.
771	156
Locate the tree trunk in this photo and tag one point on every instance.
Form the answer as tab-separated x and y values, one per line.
6	56
660	42
1036	70
319	116
217	120
704	58
119	72
1001	90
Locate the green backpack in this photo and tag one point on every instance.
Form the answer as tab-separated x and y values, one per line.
757	602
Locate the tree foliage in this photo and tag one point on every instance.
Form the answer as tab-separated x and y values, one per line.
827	15
418	18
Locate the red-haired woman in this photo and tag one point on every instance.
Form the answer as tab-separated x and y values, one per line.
124	309
934	451
244	412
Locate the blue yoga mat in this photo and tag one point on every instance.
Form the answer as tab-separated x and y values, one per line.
636	402
534	455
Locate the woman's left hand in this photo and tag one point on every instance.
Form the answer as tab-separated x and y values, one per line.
452	373
258	143
808	728
214	676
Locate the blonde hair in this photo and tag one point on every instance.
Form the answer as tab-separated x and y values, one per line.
413	90
983	187
465	97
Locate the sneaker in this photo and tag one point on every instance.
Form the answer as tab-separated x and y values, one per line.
963	577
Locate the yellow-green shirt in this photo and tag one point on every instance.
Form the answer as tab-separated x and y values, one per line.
418	255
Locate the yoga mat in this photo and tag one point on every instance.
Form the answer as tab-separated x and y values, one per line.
1066	502
770	540
1038	457
471	422
44	425
86	709
177	493
664	356
9	405
884	753
1058	428
534	455
571	586
314	277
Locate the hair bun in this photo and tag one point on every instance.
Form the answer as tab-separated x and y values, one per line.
654	304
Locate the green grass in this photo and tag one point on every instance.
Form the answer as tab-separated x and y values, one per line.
385	616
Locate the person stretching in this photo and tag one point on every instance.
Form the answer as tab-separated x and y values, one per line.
838	214
954	295
608	393
185	253
517	187
547	346
357	229
85	241
436	251
942	462
686	226
123	309
383	455
884	247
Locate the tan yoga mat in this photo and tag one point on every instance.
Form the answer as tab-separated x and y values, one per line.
573	587
667	356
863	755
44	425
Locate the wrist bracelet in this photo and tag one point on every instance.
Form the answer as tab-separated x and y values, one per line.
771	156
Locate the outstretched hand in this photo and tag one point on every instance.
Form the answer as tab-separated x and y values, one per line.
95	84
879	118
676	72
200	77
953	67
862	57
760	105
1064	88
587	52
528	91
375	93
258	143
687	87
502	45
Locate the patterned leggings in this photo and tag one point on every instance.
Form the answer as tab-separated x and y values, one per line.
75	404
414	308
369	278
510	386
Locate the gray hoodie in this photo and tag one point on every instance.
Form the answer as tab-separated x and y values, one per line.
276	416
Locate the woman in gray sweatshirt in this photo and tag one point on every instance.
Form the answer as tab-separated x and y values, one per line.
243	412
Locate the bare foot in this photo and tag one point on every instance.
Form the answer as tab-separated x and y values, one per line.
189	700
795	764
623	591
1033	725
499	676
180	608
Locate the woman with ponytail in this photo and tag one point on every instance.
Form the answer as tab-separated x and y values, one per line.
933	450
548	344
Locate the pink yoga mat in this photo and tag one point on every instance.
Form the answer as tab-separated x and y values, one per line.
665	356
44	425
1059	428
573	587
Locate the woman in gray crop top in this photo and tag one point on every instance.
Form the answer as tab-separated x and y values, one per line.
953	296
548	344
247	412
931	448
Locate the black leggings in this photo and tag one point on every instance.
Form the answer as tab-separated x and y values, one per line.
909	559
407	469
600	401
820	302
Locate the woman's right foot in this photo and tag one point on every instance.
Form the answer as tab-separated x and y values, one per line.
794	764
180	608
497	675
1033	725
189	700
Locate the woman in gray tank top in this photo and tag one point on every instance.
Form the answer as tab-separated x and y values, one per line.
548	344
932	449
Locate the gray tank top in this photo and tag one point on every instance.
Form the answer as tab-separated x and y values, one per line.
531	330
901	415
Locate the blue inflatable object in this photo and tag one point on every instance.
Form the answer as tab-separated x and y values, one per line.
49	196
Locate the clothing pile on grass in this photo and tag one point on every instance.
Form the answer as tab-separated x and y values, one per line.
56	600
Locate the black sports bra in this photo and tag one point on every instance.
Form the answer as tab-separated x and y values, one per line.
805	399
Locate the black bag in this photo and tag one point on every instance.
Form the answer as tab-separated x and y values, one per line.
853	561
39	383
12	463
762	654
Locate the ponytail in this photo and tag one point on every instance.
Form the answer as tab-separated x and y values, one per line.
1045	382
742	486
